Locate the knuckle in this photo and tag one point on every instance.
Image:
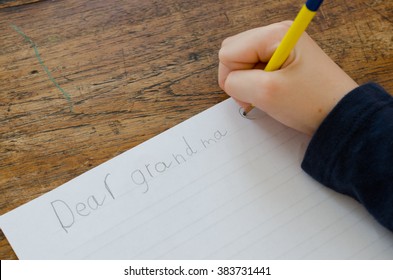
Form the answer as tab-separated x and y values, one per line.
230	84
269	88
225	41
283	26
222	54
286	23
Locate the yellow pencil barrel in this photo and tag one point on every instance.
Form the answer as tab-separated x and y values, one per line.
285	47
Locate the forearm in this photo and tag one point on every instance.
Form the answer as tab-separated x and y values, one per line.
352	151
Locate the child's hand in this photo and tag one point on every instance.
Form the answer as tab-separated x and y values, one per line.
299	95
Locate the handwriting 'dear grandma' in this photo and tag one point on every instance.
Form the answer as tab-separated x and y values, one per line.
66	213
142	176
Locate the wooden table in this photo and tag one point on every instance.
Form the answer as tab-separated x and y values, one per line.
83	81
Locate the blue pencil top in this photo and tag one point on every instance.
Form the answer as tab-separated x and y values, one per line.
313	5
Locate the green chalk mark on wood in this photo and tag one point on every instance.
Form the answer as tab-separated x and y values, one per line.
37	54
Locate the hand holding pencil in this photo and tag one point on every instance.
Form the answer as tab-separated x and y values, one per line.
299	93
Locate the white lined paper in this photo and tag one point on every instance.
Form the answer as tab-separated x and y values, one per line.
217	186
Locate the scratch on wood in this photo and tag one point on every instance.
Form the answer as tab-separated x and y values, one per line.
6	4
323	13
226	16
124	64
361	41
37	54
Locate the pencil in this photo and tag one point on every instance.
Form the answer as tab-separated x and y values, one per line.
299	25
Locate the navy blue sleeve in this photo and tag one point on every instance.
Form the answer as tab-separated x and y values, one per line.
352	150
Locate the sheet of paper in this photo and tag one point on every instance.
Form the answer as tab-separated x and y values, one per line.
217	186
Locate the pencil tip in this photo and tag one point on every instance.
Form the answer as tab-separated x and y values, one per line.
247	110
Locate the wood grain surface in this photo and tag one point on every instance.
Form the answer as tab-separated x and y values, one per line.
83	81
13	3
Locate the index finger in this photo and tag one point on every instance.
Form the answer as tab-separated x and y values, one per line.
245	50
